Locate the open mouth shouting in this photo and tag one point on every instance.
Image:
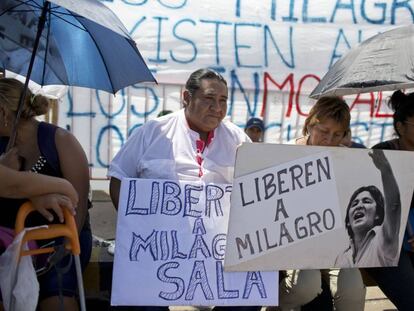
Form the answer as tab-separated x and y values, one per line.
362	211
358	215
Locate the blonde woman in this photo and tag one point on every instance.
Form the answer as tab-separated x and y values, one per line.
49	150
326	125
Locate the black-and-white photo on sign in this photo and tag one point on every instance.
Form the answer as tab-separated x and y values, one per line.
305	207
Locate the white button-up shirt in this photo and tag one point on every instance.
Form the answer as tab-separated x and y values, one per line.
166	148
371	253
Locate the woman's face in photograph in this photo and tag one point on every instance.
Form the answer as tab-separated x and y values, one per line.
328	132
362	212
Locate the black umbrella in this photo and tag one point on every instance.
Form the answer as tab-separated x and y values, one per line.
384	62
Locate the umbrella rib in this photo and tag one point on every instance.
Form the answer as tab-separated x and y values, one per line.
63	13
66	21
46	49
18	11
17	5
57	6
16	42
27	1
100	53
33	3
30	3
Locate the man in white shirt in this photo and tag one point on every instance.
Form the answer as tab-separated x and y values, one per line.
192	144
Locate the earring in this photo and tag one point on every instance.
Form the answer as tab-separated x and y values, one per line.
5	123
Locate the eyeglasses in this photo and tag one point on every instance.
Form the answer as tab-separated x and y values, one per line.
408	122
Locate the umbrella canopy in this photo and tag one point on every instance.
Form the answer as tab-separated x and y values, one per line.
384	62
82	43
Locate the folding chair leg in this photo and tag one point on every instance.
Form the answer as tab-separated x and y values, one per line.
68	230
80	283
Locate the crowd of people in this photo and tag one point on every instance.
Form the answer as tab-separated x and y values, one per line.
197	143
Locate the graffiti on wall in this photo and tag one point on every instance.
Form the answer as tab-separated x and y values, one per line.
272	56
108	121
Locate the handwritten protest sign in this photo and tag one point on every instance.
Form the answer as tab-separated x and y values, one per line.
170	244
306	205
274	191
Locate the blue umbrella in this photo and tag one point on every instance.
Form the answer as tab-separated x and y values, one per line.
68	42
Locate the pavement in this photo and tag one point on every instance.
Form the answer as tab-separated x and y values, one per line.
103	222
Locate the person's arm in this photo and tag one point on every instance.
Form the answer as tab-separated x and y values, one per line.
114	188
14	184
392	204
75	169
43	191
125	163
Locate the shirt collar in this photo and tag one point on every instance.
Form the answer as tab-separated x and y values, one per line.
368	237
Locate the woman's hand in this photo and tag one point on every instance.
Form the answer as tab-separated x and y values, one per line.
390	227
69	191
55	202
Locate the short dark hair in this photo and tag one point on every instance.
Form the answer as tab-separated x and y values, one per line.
327	107
403	107
379	210
194	81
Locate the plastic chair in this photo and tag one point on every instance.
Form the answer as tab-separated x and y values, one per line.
67	230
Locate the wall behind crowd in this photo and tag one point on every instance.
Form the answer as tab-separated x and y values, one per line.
272	53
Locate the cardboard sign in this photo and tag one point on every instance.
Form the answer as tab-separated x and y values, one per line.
170	244
317	207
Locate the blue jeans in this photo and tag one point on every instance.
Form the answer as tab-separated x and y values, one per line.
397	283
